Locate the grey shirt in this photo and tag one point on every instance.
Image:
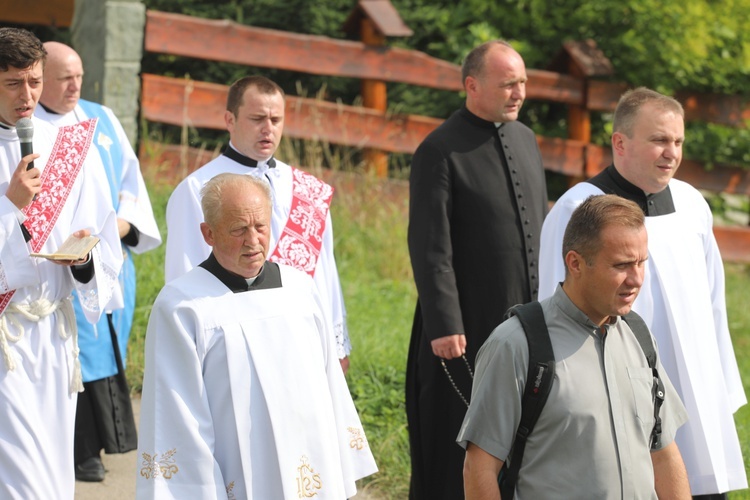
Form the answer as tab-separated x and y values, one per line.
592	438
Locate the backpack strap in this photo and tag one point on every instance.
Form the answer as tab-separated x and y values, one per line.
538	386
642	334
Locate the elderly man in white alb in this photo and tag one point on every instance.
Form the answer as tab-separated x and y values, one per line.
301	228
63	194
243	394
682	299
104	417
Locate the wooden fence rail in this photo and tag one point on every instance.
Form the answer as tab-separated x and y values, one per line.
198	104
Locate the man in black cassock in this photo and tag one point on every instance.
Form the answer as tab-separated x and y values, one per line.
477	201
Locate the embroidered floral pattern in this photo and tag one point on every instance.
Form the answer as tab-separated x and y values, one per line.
152	466
308	481
230	493
302	238
357	439
58	177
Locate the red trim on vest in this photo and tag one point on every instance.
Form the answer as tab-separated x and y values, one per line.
302	238
59	174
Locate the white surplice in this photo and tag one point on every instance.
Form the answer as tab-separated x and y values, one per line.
38	404
186	248
682	301
243	396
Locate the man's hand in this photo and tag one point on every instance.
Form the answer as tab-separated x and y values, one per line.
78	234
24	184
344	364
123	227
452	346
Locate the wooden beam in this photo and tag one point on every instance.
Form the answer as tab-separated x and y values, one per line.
231	42
731	110
199	104
57	13
734	243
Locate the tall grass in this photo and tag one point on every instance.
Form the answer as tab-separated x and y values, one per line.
369	218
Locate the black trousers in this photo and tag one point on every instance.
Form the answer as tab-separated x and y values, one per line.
104	415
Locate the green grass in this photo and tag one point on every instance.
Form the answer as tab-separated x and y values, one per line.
370	230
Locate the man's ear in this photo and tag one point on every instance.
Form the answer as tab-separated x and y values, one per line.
574	262
229	120
470	85
208	234
618	143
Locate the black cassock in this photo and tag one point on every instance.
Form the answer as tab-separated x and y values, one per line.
477	201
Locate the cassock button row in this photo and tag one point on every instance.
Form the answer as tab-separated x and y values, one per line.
505	146
518	183
526	222
520	196
528	235
531	250
533	276
513	171
510	157
531	264
523	207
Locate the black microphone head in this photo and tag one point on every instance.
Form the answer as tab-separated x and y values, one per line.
25	129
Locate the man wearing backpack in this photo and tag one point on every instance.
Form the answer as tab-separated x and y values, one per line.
596	435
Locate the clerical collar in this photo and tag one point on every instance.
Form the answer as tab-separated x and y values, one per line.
235	155
474	119
4	126
269	276
49	110
611	181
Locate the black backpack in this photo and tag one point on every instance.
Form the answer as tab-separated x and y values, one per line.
539	383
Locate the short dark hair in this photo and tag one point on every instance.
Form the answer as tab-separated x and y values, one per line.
583	234
473	64
632	101
237	90
20	48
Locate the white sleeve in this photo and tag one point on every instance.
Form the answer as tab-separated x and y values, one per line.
94	212
329	285
185	245
135	204
176	435
715	270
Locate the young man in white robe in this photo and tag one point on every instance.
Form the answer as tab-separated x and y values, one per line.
104	417
301	227
63	194
682	300
243	395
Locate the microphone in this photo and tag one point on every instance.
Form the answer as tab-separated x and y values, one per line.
25	130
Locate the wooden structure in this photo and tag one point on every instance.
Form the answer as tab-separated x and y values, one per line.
58	13
372	21
199	104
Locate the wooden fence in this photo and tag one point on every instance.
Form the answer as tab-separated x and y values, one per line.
199	104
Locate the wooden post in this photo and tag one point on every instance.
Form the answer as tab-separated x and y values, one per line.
579	119
374	96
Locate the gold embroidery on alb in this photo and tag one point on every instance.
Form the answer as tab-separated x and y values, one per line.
230	493
358	439
153	466
308	481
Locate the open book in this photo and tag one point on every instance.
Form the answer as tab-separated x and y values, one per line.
72	249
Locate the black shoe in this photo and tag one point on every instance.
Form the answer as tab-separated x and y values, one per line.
90	470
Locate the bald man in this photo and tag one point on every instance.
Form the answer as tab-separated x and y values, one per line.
477	201
104	418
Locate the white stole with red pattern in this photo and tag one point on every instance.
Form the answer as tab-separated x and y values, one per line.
302	238
59	174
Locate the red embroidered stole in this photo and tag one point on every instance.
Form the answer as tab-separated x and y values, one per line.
62	168
302	238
